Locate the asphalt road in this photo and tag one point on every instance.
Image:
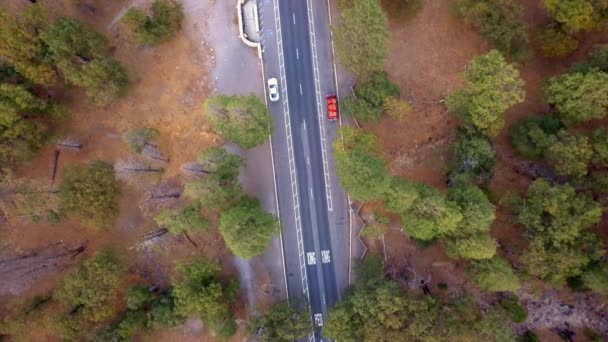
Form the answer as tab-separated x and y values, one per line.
323	292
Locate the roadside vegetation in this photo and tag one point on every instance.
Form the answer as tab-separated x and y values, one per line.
163	21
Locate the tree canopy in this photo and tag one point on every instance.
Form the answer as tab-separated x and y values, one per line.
164	20
574	15
360	168
596	278
477	211
198	290
400	194
178	220
90	290
21	46
361	37
82	56
219	186
557	219
384	312
533	135
89	192
570	154
500	21
556	43
599	141
282	322
370	97
247	229
474	157
492	86
579	96
244	120
493	275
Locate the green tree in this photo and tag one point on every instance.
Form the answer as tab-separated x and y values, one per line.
164	312
132	323
384	312
557	219
243	120
176	221
574	15
160	25
199	291
283	322
474	157
596	278
82	56
21	46
138	297
570	155
361	170
370	96
456	320
361	37
599	141
579	96
475	246
493	275
494	326
477	211
556	43
89	193
370	270
500	21
219	186
400	194
533	135
492	86
431	215
247	229
91	289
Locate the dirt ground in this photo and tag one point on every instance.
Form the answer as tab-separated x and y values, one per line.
426	54
168	84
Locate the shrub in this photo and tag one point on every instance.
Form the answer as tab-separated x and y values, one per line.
400	194
599	141
574	15
283	323
596	278
477	246
517	312
570	155
137	138
137	297
474	157
176	221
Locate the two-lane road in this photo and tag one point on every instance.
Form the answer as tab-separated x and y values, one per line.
307	142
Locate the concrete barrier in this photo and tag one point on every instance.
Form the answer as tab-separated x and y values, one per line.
239	9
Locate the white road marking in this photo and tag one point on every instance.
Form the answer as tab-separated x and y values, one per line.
297	54
308	160
304	125
294	18
300	88
311	194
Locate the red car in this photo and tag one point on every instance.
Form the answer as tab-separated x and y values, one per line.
332	107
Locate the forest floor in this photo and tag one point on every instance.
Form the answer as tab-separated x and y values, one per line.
427	52
168	85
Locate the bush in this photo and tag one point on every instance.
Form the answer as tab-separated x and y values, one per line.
533	135
400	194
596	278
556	43
599	140
163	313
517	312
244	120
476	246
162	24
574	15
89	193
138	138
282	323
493	275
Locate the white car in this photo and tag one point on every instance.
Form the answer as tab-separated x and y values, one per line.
273	89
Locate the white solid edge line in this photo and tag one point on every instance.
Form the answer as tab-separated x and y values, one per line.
274	176
350	222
